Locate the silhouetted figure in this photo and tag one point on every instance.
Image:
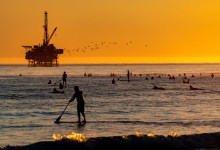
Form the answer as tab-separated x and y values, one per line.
128	75
146	78
49	82
85	74
80	103
152	78
20	75
56	91
192	88
171	77
89	75
184	81
158	88
64	78
112	75
113	81
61	85
192	76
212	75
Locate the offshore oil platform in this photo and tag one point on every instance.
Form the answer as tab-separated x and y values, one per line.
43	55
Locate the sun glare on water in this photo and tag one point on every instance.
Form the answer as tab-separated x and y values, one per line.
138	134
172	134
73	136
81	138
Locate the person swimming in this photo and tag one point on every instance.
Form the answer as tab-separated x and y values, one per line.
113	81
158	88
192	88
49	82
56	91
184	81
61	85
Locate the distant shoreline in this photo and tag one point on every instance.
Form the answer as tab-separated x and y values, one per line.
131	142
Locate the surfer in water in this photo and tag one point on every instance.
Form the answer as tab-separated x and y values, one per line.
158	88
113	81
49	82
80	103
56	91
192	88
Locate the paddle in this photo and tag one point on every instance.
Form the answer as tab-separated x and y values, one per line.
58	119
56	82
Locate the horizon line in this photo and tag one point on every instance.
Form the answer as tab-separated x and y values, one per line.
171	63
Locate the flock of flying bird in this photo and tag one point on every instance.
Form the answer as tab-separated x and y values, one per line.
98	45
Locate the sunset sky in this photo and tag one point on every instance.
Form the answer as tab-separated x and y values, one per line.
123	31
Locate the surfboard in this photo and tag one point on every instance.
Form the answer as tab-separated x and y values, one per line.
72	122
125	122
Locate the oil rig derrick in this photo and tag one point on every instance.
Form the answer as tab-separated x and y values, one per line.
46	54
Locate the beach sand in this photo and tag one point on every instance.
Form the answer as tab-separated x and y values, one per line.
130	142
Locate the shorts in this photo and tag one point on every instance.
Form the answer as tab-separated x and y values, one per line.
80	108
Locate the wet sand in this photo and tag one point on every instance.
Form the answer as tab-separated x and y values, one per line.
131	142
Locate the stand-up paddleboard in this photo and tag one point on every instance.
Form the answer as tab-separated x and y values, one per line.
128	122
69	122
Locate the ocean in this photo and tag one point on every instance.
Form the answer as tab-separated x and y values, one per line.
28	109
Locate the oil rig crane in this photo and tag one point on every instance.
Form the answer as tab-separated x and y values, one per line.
46	54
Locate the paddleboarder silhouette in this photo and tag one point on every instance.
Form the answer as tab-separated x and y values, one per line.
80	103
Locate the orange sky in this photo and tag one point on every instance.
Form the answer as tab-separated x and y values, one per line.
146	31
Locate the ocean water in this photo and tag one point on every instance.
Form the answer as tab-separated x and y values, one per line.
28	109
